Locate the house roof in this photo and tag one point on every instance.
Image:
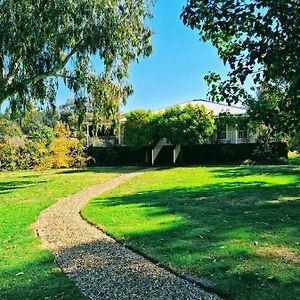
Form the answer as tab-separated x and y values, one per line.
216	108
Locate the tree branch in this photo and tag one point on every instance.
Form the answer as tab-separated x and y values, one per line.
11	88
12	68
65	76
2	70
54	70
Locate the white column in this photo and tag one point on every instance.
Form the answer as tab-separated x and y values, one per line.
227	133
152	157
176	152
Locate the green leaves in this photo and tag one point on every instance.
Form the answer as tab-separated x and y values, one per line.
188	125
257	39
41	41
139	127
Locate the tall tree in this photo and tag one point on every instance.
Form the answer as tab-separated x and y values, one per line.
188	125
257	39
42	41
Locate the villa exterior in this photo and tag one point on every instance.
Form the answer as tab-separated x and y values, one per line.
226	135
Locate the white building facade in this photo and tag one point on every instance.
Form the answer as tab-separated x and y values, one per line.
226	135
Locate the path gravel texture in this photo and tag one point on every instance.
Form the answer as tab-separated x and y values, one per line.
101	267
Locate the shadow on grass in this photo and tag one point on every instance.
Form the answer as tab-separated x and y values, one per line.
39	279
241	235
8	185
100	170
11	185
241	171
213	236
104	268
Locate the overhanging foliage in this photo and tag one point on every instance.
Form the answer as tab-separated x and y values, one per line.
258	40
42	41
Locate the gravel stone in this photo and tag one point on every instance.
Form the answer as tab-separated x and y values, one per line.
101	267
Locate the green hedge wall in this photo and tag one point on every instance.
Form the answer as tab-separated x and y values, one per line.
226	153
118	156
200	154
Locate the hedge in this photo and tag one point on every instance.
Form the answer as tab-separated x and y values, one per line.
199	154
118	156
226	153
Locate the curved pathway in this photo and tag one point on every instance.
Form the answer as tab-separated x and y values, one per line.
101	267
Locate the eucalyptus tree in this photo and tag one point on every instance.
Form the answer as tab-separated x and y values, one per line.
42	41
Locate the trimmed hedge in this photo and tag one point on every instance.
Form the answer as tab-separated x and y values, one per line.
199	154
118	156
226	153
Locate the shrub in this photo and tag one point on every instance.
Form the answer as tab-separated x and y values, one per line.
188	125
138	130
263	153
26	156
294	143
9	128
248	162
65	151
32	155
8	157
62	152
59	153
41	133
282	161
78	154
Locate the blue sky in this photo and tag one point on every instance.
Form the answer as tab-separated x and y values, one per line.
174	73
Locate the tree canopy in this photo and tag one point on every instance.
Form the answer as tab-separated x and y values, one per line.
42	41
138	131
188	125
258	40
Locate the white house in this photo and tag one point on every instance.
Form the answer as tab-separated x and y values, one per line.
228	134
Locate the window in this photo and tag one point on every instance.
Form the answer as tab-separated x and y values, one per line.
221	131
242	134
221	134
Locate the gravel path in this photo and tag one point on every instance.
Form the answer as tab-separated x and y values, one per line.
101	267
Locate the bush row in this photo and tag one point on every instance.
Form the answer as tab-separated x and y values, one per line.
234	153
199	154
118	156
61	152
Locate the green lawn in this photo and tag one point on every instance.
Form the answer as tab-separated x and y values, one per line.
236	226
294	158
27	270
